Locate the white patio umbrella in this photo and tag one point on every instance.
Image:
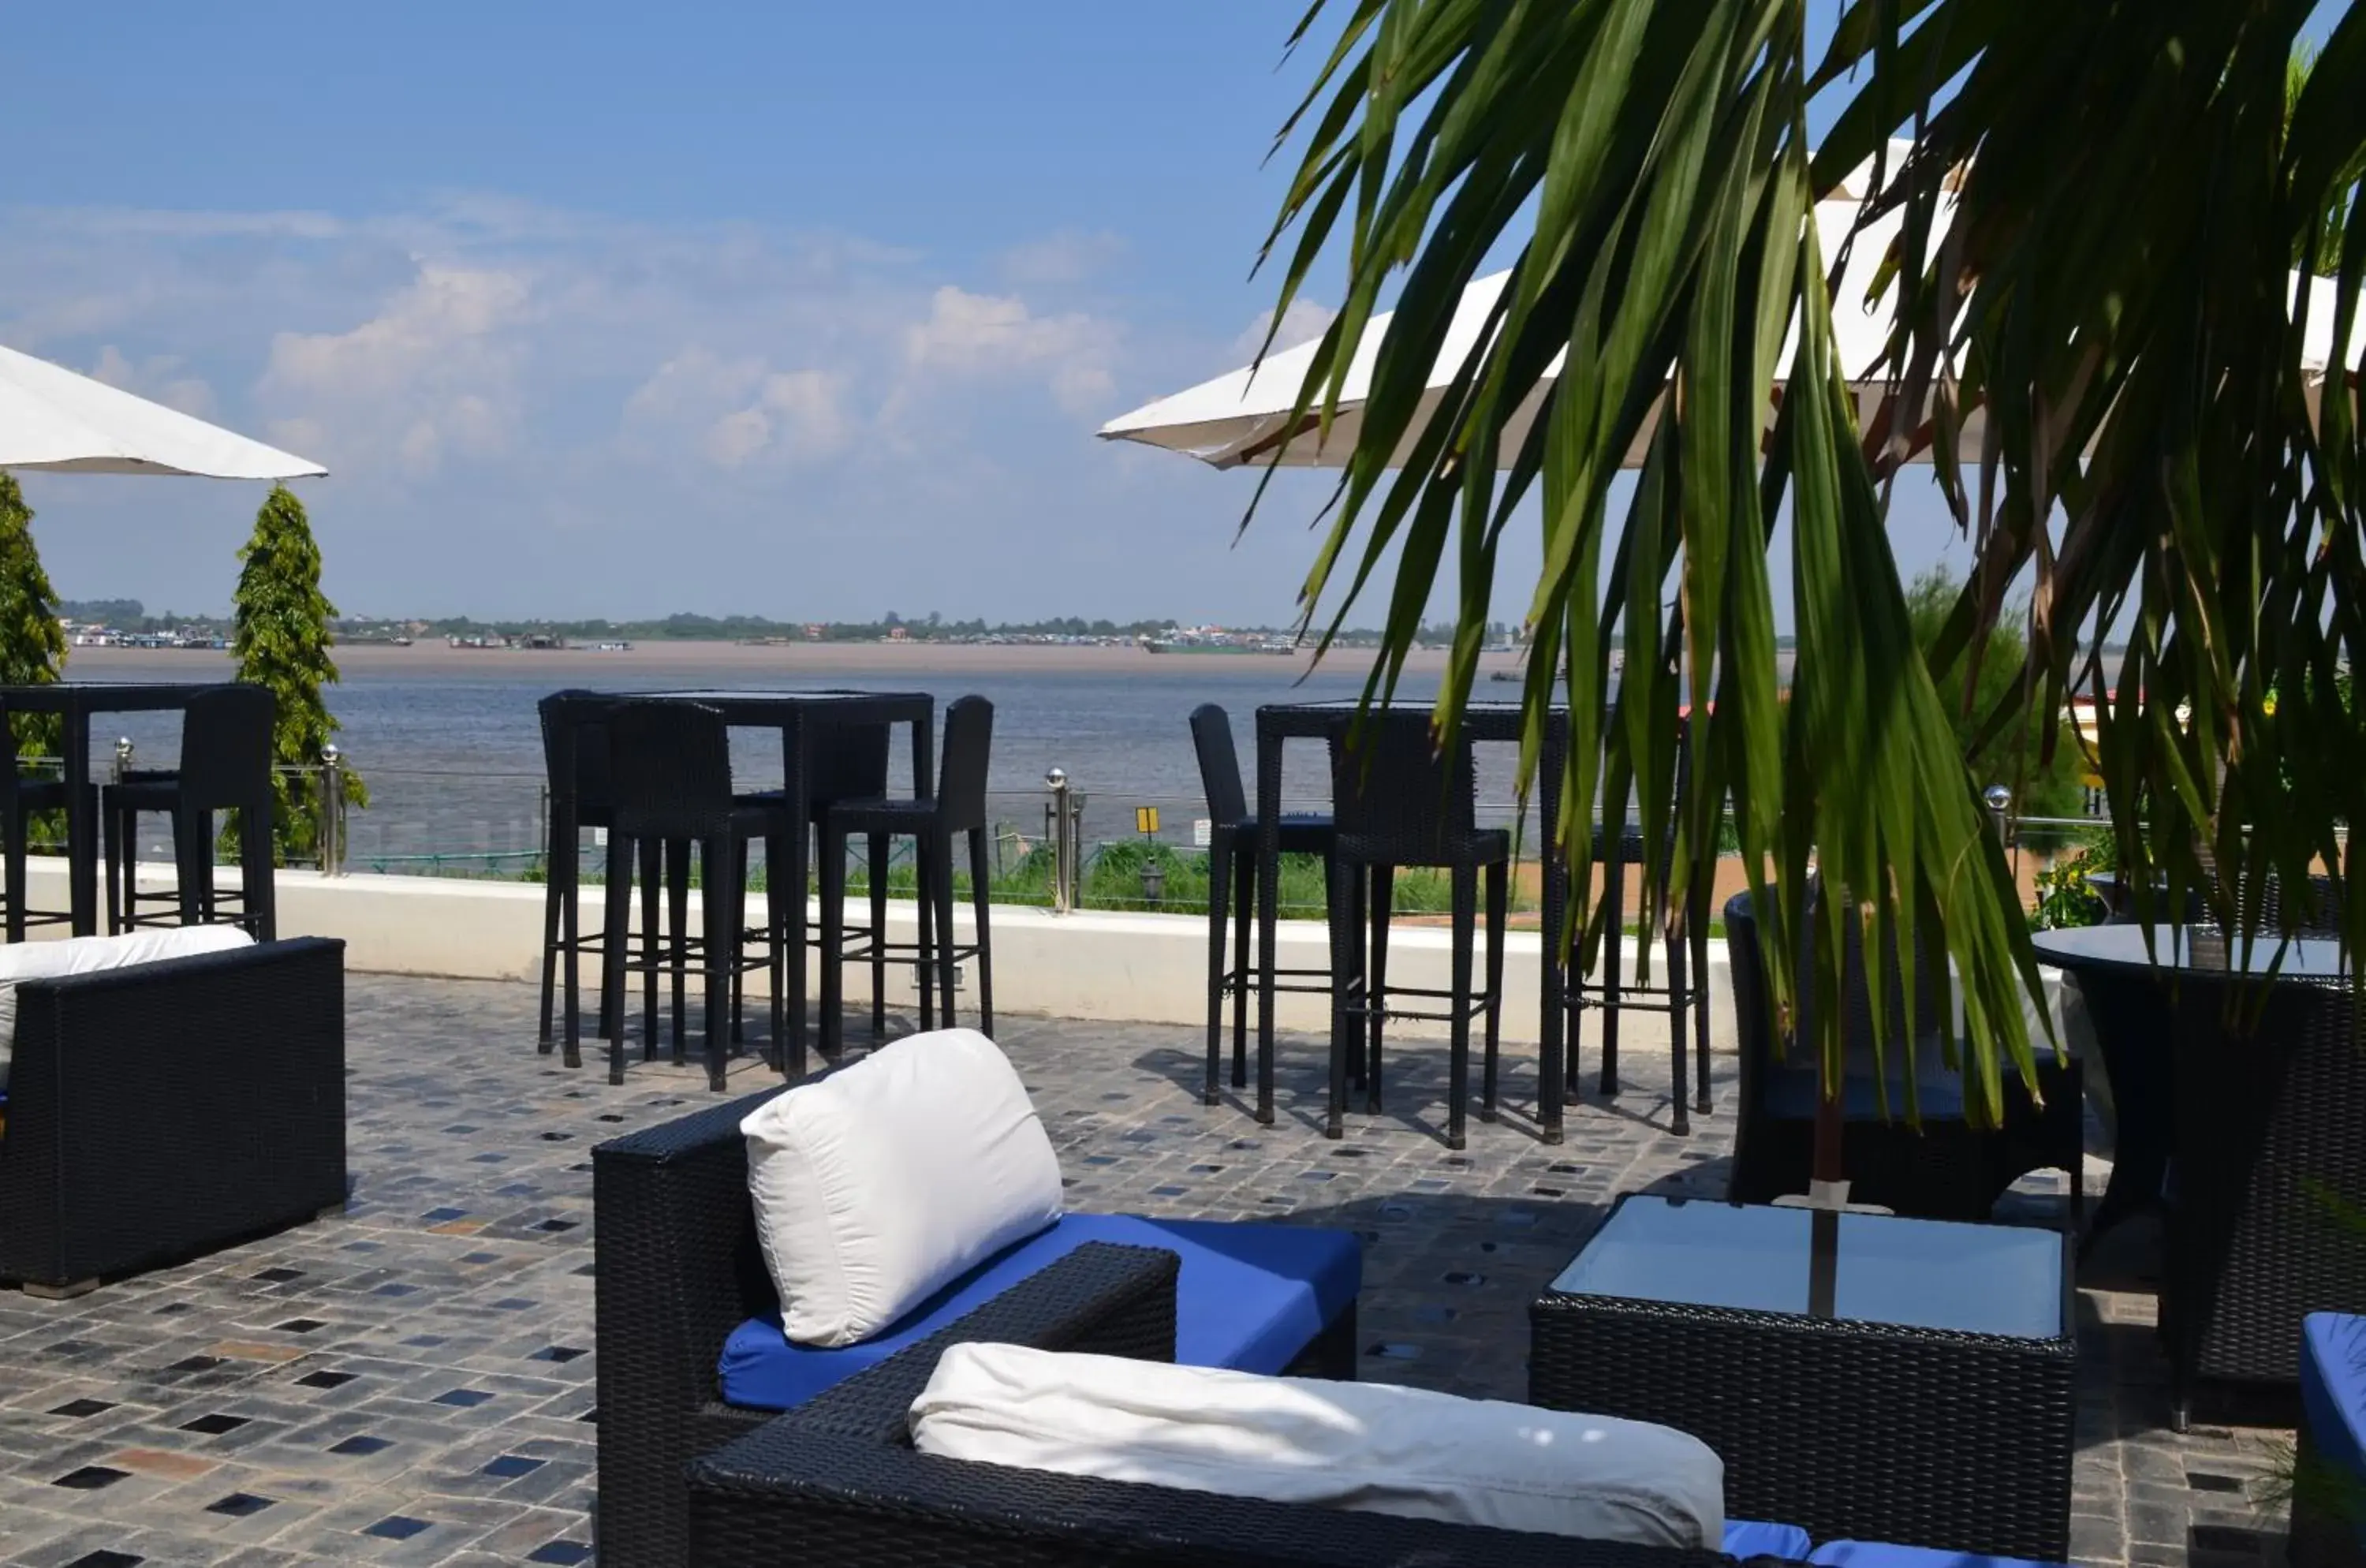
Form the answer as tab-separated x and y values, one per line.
56	421
1243	417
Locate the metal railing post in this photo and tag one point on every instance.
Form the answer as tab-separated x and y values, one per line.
332	811
1063	826
123	753
1999	801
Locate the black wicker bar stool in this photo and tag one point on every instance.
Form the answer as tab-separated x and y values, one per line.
1397	803
958	807
20	797
1684	998
1232	892
226	740
848	762
575	767
669	772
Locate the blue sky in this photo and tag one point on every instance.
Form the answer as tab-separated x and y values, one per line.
792	310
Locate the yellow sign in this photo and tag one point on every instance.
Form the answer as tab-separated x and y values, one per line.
1145	820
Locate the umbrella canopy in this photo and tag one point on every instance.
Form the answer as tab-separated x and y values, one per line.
54	419
1243	417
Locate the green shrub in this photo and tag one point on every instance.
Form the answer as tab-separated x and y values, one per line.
281	641
2013	756
32	643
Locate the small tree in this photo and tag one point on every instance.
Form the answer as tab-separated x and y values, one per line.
281	641
32	643
2015	756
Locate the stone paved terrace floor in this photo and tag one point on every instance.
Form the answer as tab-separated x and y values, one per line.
412	1383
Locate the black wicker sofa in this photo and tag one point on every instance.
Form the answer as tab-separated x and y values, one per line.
837	1480
162	1110
680	1268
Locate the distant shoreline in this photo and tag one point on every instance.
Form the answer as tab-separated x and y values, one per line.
786	661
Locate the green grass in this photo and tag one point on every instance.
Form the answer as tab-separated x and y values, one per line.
1112	880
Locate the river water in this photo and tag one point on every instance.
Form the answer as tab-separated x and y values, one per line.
451	751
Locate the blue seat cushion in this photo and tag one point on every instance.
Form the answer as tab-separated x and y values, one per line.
2333	1388
1745	1540
1248	1297
1875	1554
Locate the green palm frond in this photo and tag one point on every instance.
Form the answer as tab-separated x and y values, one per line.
2100	208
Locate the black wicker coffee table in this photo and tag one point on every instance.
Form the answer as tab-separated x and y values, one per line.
1863	1377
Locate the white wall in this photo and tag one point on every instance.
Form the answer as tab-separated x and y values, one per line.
1147	968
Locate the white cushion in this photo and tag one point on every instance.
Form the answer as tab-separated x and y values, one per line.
1343	1445
87	954
878	1185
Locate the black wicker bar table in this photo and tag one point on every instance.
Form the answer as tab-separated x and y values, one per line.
795	714
75	701
1485	723
2240	1057
2130	988
1863	1377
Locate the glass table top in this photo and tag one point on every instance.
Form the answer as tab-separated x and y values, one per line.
1967	1278
2194	949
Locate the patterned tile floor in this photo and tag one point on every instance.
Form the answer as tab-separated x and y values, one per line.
412	1383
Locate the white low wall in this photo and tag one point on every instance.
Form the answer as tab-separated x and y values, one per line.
1139	968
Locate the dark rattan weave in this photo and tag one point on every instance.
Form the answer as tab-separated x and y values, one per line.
1847	1429
958	806
1232	891
2270	1094
679	1268
1482	722
225	765
669	770
159	1111
1398	803
76	702
1685	939
838	1482
1945	1168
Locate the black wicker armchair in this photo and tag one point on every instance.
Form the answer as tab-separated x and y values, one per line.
1947	1167
838	1482
159	1111
2270	1092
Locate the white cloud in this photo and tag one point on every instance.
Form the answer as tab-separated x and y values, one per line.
156	378
132	222
429	378
737	411
516	400
694	383
1070	255
1303	322
798	416
967	333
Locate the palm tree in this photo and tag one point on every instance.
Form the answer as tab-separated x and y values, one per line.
2101	205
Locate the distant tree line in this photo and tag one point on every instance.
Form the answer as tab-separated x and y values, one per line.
685	627
131	615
